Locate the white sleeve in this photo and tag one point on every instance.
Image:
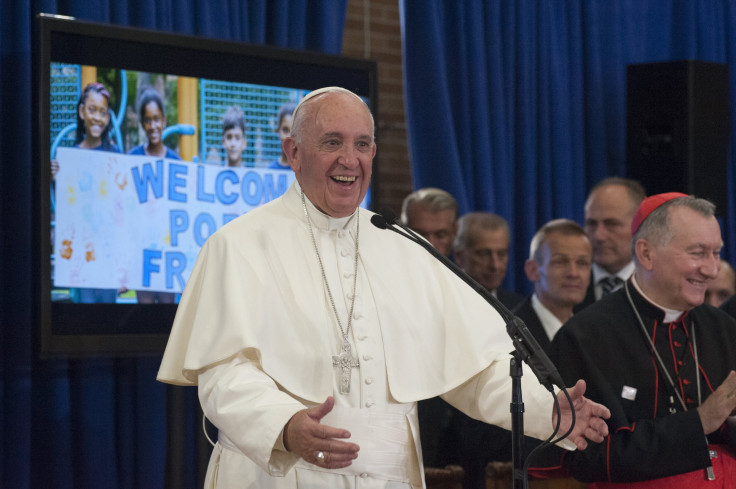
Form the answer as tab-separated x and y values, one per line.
487	397
247	406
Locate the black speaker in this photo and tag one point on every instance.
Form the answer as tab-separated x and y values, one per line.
677	128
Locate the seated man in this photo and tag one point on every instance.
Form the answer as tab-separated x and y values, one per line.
432	213
482	250
663	362
609	209
559	264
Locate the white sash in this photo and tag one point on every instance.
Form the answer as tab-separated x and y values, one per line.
385	439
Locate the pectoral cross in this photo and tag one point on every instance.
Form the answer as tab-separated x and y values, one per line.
345	361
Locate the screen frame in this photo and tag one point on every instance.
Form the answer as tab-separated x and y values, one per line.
72	329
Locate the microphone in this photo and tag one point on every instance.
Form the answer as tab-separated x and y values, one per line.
379	221
524	342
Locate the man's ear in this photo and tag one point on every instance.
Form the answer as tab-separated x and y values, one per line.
643	249
531	268
291	151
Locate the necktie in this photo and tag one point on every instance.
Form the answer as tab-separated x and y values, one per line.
610	283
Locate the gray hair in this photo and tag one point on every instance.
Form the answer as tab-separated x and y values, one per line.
430	198
299	117
566	227
474	221
656	226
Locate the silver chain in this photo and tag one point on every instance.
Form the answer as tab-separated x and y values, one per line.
661	364
346	331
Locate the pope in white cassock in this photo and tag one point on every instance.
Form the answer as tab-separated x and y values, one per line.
311	334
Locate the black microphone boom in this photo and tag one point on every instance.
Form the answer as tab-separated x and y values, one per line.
524	342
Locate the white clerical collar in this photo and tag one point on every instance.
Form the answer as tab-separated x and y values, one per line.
624	274
321	220
669	314
550	322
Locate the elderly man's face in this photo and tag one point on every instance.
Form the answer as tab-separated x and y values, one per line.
334	160
608	216
438	228
486	258
682	269
562	277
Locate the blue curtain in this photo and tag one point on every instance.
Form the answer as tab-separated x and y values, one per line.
519	107
102	422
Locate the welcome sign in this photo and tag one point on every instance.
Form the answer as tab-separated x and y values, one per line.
138	222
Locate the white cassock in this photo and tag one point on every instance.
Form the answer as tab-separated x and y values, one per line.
256	331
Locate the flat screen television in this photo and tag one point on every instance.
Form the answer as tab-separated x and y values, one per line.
121	217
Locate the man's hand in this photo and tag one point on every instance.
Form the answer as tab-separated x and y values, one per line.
306	437
589	417
719	405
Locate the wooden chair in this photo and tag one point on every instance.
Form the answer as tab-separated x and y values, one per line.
449	477
499	475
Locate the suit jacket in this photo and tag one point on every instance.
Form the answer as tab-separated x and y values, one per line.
526	312
508	298
730	306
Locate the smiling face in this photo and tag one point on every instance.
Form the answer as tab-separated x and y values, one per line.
153	123
94	112
332	158
676	273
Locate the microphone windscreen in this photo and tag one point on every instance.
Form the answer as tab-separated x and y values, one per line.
379	221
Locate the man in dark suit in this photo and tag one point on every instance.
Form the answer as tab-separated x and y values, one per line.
432	213
482	251
559	265
609	209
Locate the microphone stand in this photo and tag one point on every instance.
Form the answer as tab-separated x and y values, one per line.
526	347
520	479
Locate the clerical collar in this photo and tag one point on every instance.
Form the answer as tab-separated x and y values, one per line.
670	315
321	220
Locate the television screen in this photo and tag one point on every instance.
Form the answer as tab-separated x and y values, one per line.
147	143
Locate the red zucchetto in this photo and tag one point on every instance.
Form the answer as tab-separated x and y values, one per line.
648	206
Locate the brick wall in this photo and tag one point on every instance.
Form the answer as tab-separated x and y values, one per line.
372	31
